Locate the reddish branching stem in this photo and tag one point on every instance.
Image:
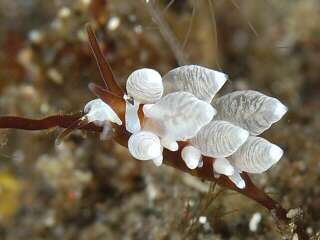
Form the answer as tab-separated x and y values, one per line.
63	121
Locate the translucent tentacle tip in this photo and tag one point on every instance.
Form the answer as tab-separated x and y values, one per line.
158	160
222	166
280	110
153	150
277	109
237	180
241	135
220	78
275	153
241	184
169	144
191	156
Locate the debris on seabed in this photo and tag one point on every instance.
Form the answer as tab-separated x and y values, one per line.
10	190
202	219
254	222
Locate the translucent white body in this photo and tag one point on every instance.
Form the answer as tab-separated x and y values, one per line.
185	114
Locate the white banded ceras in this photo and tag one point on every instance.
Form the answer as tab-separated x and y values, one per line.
178	107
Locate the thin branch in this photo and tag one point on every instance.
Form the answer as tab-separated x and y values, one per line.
63	121
236	5
78	124
190	26
166	32
214	31
167	7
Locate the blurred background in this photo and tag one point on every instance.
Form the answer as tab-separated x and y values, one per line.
91	189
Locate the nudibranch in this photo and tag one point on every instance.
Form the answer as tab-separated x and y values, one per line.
179	107
175	120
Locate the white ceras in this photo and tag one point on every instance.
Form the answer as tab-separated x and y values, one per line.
177	116
250	110
144	145
143	86
102	115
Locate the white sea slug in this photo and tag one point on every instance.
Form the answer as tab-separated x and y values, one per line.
250	110
177	116
202	82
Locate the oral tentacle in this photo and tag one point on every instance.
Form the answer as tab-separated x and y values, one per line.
132	119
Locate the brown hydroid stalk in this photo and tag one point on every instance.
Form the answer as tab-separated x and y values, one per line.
78	124
63	121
